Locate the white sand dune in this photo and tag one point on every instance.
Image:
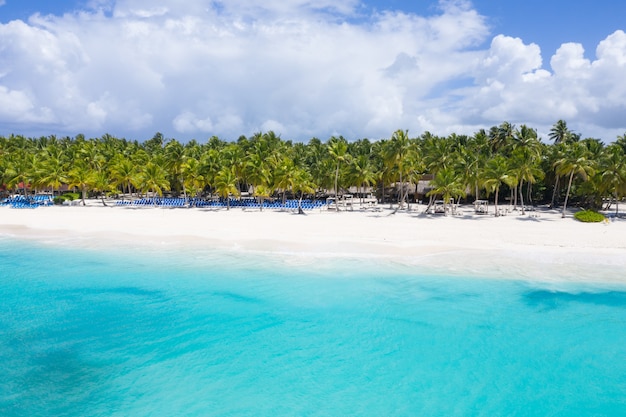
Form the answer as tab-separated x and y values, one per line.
536	246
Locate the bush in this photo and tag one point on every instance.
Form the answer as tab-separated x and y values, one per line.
589	216
66	197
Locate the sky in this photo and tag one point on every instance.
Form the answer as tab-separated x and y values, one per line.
310	68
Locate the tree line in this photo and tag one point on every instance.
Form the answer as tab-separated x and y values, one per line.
503	161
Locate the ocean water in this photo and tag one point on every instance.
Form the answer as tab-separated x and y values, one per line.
160	331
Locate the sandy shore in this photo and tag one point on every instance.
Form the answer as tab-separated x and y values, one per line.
539	245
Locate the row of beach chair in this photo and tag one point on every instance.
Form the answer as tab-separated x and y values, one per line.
163	202
30	202
244	203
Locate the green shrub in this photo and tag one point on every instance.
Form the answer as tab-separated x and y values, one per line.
589	216
66	197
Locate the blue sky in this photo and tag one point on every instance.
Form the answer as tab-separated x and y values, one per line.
307	68
548	23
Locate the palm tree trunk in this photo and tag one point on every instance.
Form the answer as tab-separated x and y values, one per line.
360	195
496	202
430	203
182	183
300	211
336	188
554	191
405	197
569	185
521	195
401	195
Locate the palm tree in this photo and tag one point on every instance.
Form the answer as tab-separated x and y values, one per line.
361	172
81	176
154	146
575	161
193	172
525	137
19	169
284	175
496	173
472	159
153	178
468	166
525	168
226	184
501	136
51	173
614	172
338	150
439	154
3	167
124	174
89	153
262	192
303	183
395	153
259	175
560	133
621	141
414	167
102	184
234	157
174	159
448	184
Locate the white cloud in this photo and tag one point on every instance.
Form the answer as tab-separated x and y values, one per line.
13	103
513	86
302	68
569	61
188	122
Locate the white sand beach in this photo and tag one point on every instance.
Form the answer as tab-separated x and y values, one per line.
538	245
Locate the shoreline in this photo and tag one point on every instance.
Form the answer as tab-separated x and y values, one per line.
540	246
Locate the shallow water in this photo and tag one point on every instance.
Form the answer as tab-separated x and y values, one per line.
160	331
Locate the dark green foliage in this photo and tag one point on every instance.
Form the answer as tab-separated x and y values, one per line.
66	197
583	172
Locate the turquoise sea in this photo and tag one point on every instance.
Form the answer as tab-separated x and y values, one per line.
161	331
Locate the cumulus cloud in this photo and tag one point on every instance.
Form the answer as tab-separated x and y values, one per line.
301	68
512	84
189	122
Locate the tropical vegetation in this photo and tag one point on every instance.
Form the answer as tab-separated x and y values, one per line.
589	216
506	164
